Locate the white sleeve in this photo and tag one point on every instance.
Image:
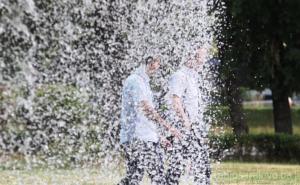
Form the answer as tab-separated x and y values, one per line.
138	92
177	85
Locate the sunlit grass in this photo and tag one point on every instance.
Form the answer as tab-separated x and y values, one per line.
228	173
263	129
260	120
270	130
256	173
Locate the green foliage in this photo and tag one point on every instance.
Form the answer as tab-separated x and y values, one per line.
223	142
249	30
261	147
10	98
62	97
218	115
56	127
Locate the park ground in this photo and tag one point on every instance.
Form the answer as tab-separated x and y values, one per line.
260	121
229	173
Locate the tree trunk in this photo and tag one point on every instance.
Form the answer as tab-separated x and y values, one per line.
236	112
280	93
281	112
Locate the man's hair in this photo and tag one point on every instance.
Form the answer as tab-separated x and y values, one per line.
149	60
193	54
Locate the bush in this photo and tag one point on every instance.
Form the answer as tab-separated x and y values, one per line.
261	147
56	128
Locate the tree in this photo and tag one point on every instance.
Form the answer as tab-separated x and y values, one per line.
265	35
230	69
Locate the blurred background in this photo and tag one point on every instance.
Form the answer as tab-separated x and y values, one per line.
65	116
259	68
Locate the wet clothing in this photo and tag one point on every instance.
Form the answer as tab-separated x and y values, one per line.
194	151
139	135
134	124
185	84
143	157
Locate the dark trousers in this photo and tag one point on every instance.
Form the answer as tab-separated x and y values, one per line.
143	157
195	150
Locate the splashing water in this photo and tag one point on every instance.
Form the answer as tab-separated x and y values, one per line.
62	68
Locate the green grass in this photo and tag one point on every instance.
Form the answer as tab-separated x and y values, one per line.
256	173
260	120
228	173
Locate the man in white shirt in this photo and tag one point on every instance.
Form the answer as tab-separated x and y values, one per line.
139	134
186	112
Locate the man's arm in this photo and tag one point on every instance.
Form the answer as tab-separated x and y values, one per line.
153	115
178	107
177	88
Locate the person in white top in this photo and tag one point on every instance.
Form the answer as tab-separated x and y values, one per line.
186	112
139	135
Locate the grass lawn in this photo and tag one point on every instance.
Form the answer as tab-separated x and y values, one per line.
256	173
260	120
224	173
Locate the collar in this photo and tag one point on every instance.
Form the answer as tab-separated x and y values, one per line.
190	71
141	71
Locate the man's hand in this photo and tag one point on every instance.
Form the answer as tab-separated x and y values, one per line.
165	142
152	114
175	132
178	107
187	124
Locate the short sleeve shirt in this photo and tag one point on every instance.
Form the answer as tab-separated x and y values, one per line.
185	84
134	124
